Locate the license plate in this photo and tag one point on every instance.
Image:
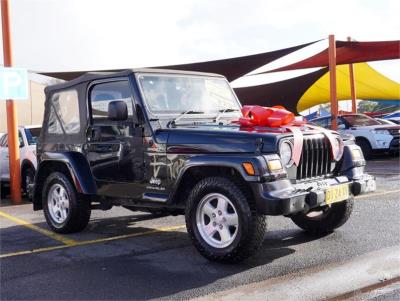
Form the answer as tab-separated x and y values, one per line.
337	193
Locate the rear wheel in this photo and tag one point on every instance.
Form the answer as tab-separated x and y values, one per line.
4	190
222	221
64	211
325	219
28	176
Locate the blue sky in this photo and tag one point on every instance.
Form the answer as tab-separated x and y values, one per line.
63	35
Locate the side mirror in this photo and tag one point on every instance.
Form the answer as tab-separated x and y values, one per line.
341	127
117	110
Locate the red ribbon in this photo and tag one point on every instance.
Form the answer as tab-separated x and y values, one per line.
279	117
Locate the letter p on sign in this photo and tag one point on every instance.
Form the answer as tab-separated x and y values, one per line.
14	83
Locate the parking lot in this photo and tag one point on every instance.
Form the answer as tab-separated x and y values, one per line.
125	255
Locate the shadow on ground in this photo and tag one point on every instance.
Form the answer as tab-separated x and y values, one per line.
143	267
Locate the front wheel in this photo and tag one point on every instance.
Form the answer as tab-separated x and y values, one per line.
325	219
365	147
222	221
64	211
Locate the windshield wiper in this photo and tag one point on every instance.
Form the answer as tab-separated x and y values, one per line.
172	122
222	112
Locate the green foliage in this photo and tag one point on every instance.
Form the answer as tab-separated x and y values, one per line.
372	106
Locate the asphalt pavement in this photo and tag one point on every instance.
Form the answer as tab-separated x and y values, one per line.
126	255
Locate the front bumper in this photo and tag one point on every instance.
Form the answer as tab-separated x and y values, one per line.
281	197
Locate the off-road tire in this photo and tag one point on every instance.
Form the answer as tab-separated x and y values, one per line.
79	209
335	217
365	147
28	171
251	229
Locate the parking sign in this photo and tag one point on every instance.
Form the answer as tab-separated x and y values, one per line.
14	83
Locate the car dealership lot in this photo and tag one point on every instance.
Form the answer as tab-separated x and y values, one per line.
125	255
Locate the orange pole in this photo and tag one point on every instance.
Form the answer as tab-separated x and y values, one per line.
352	86
332	81
12	119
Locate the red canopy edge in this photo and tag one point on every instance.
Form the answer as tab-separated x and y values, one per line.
349	52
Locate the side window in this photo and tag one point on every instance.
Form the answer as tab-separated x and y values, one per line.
64	113
20	139
341	122
102	94
3	141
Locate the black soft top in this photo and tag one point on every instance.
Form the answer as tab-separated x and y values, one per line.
90	76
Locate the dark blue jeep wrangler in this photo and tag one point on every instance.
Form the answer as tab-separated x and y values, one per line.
163	141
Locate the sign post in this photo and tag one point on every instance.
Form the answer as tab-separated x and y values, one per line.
332	81
352	86
12	119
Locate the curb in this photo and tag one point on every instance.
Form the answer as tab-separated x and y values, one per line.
363	271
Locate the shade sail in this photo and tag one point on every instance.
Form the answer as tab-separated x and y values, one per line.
285	93
231	68
370	85
349	52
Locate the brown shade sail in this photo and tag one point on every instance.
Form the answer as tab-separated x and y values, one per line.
349	52
286	93
231	68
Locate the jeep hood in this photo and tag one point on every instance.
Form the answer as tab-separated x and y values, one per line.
221	139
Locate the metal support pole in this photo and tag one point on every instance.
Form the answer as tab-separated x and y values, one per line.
332	81
12	117
352	86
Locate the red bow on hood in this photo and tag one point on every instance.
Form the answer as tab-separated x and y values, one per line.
279	117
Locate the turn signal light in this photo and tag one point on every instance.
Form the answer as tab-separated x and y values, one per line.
249	168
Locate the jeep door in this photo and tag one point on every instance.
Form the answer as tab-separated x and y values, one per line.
114	147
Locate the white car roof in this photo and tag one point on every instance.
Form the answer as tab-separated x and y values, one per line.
29	126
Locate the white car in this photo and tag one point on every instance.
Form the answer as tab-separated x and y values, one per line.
372	136
27	147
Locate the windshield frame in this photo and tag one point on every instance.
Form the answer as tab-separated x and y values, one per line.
169	116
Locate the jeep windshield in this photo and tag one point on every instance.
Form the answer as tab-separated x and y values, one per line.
184	96
360	120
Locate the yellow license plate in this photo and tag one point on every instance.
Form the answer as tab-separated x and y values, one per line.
337	193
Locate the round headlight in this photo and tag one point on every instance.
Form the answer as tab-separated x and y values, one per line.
337	148
285	152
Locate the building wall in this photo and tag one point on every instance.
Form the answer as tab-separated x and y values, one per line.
29	111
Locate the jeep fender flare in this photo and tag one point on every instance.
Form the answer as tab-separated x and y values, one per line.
234	162
77	166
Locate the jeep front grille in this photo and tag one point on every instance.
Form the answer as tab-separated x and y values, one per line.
315	159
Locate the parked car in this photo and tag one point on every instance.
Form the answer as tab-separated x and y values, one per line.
385	121
372	136
393	117
27	147
164	140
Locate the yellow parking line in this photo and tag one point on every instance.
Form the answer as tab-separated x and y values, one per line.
28	225
376	194
94	241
